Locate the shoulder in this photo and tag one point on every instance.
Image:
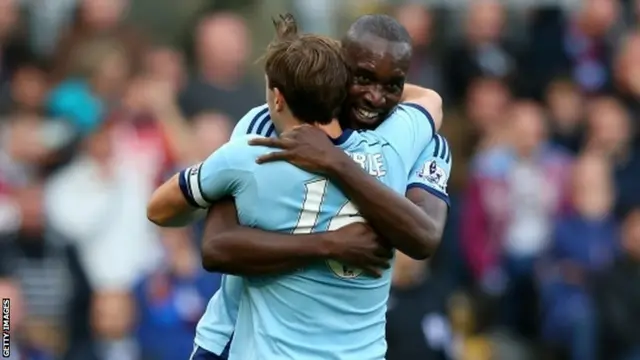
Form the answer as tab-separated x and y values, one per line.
239	154
256	121
438	148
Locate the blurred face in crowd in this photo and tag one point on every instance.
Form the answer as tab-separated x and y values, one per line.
631	234
111	74
25	140
166	64
485	21
8	17
418	22
112	314
222	43
102	14
379	68
627	70
212	130
527	130
29	87
487	100
592	187
608	126
565	105
598	16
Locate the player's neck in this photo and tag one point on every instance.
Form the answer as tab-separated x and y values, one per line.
332	129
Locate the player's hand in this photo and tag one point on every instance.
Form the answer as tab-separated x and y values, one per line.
359	246
305	146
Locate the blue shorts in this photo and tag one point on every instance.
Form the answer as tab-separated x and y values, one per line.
202	354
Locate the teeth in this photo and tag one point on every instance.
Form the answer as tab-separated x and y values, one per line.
367	114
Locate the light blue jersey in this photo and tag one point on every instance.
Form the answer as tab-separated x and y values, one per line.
432	170
325	311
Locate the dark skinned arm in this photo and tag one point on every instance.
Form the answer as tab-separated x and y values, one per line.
234	249
409	228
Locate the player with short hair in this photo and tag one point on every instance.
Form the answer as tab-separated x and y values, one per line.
302	314
251	251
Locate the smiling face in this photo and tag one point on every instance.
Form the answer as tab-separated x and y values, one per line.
379	68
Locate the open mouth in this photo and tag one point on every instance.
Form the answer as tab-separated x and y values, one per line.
366	115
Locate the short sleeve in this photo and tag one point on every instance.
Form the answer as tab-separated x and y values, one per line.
223	173
256	122
408	130
432	170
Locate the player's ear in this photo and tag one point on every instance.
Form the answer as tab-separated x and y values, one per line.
278	100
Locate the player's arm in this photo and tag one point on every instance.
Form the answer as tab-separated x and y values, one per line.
169	207
234	249
193	190
426	98
427	187
409	130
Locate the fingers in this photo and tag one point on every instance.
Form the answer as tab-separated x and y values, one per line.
274	156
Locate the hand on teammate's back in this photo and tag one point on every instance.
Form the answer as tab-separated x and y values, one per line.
306	147
359	246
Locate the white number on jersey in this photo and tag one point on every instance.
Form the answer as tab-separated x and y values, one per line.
348	214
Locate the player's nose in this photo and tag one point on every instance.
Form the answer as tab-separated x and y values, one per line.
375	98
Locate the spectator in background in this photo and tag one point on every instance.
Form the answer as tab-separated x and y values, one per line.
98	201
425	69
627	73
211	131
172	299
112	319
20	350
483	51
166	65
609	132
27	91
587	46
100	74
583	244
94	20
506	219
51	276
222	46
479	126
417	325
565	104
619	296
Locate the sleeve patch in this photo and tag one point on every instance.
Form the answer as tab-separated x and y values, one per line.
432	173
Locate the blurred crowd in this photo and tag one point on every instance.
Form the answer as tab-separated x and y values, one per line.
541	256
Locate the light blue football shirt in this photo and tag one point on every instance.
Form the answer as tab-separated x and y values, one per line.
323	311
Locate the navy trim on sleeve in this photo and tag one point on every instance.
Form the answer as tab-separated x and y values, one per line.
425	113
437	148
440	195
448	157
445	148
255	119
185	188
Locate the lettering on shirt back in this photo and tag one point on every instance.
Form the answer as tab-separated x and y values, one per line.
371	163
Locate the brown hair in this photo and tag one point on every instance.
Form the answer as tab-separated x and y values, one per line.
310	72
